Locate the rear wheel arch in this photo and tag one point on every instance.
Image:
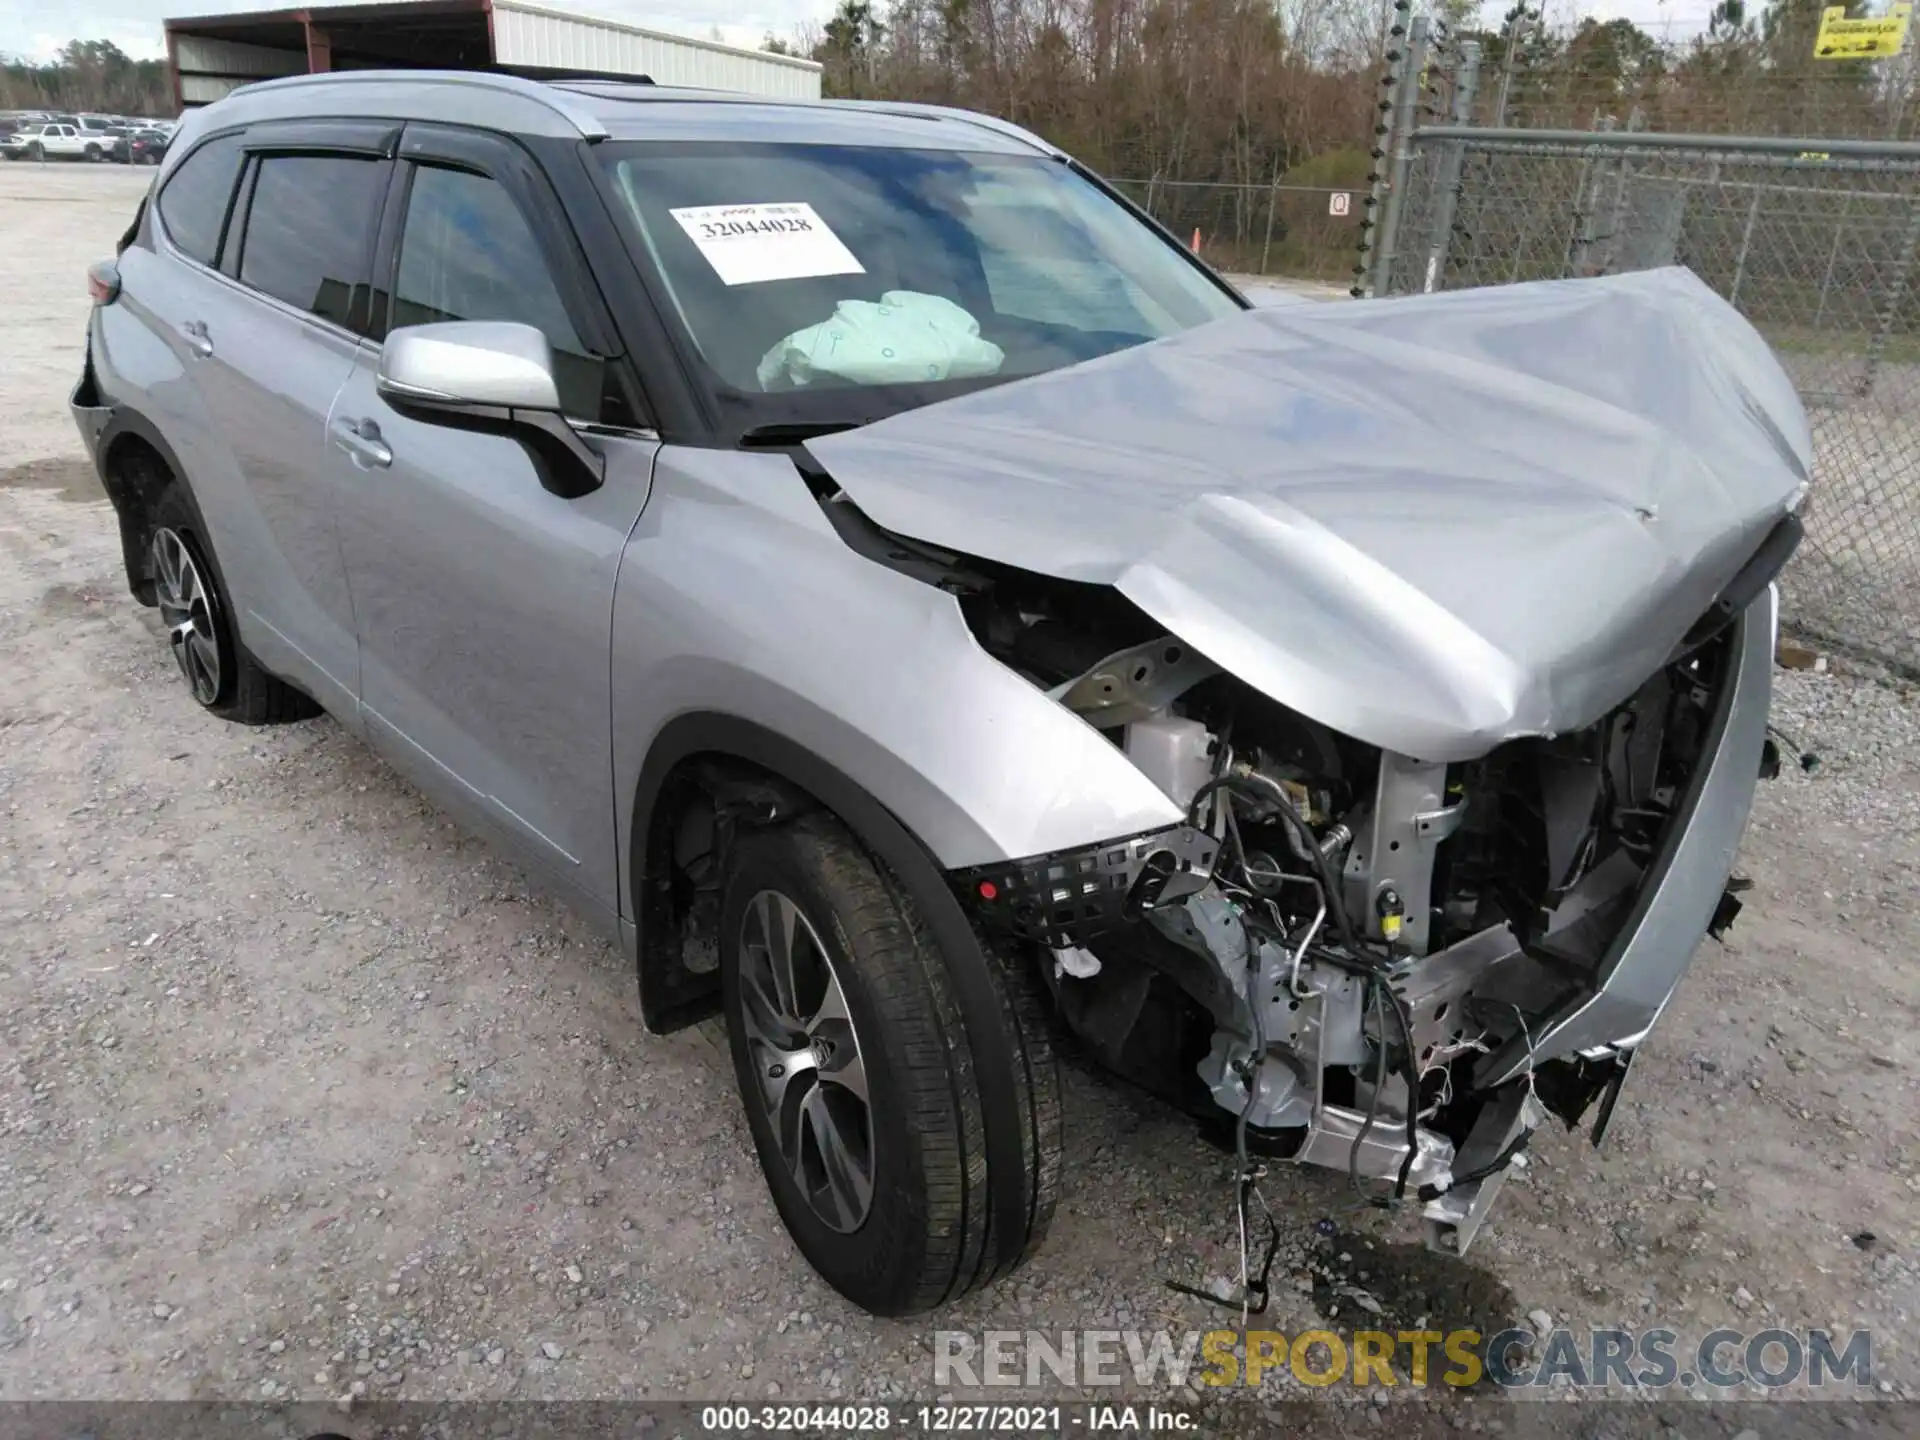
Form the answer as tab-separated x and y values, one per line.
149	489
136	467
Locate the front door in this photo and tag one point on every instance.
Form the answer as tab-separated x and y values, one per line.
484	602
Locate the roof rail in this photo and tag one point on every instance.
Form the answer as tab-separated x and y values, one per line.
583	120
582	78
979	120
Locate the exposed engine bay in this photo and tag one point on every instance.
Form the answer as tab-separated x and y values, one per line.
1345	957
1450	712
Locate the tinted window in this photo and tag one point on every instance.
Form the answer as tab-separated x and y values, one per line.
309	226
194	205
467	253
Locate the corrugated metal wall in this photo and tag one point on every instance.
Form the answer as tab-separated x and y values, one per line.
553	39
211	68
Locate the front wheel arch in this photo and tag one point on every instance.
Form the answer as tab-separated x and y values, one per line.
670	996
692	753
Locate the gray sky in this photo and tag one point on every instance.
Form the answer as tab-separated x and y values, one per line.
37	28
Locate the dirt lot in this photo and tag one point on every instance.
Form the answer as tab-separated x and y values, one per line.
302	1093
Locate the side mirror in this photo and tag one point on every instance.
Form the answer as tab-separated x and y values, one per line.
469	363
494	376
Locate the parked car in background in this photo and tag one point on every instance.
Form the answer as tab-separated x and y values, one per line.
122	149
56	142
142	147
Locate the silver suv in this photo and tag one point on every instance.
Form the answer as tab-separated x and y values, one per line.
912	604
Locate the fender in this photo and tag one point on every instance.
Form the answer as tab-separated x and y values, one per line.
911	863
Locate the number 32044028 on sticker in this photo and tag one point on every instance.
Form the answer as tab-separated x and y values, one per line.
750	244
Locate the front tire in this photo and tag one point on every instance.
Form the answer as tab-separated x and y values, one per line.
193	603
858	1075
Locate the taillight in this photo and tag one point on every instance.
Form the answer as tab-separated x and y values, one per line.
103	282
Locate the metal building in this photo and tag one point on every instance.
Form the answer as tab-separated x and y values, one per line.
207	56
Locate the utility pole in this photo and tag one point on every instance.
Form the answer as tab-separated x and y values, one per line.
1516	30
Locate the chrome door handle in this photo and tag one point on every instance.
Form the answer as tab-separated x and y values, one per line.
362	442
198	340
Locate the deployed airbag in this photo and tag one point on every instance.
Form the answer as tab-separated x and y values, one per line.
1434	523
903	337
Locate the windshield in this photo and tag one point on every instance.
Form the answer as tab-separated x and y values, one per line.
826	283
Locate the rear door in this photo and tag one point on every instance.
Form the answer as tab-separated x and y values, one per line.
483	601
272	343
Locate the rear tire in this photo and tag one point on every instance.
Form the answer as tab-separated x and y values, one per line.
911	1232
93	154
194	605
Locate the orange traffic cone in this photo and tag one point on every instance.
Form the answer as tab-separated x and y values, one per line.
1196	239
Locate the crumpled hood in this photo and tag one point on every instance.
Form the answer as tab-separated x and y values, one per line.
1433	523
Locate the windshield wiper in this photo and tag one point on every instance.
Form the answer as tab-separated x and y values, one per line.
793	432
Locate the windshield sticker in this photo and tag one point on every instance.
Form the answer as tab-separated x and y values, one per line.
746	244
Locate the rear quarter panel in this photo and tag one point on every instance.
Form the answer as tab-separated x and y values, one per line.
137	367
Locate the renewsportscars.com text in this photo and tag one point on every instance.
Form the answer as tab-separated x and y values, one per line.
1513	1358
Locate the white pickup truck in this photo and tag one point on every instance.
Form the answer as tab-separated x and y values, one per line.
56	141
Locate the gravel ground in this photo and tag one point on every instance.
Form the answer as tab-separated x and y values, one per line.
304	1095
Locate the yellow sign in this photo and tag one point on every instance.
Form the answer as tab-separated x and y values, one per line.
1866	39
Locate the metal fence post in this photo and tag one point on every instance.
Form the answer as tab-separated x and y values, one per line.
1746	243
1617	216
1401	149
1515	33
1592	178
1379	154
1833	259
1453	159
1273	200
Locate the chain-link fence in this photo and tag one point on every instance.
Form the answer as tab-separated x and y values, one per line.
1744	83
1816	242
1281	229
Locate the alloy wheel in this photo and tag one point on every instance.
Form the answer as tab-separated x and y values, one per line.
186	608
812	1077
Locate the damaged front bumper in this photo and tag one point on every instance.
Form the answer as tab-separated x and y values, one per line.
1683	889
1513	1027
